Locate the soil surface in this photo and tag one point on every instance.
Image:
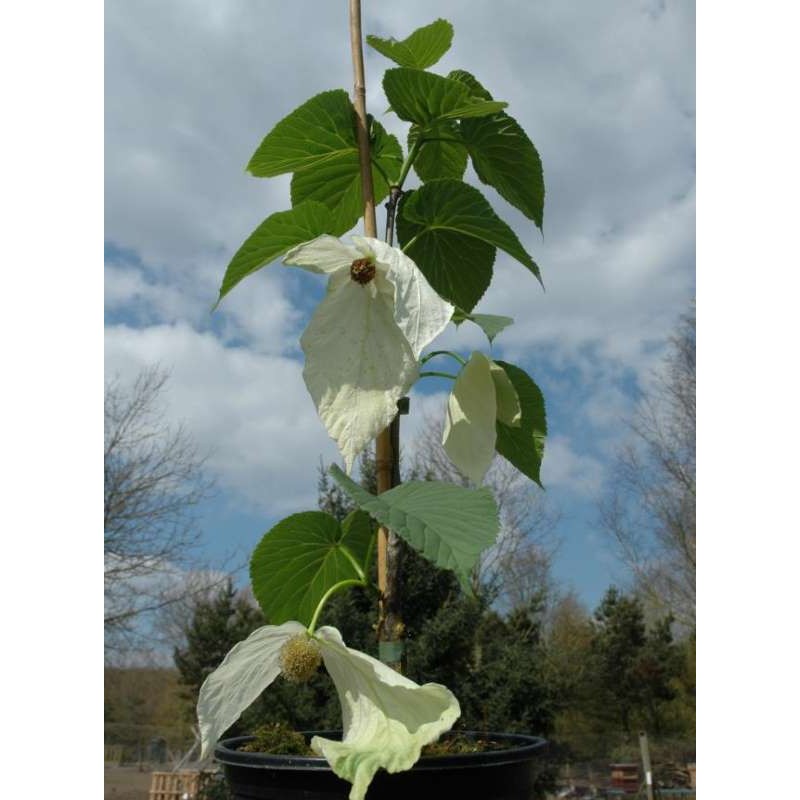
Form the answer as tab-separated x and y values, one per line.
126	783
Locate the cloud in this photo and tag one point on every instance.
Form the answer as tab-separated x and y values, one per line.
565	468
249	410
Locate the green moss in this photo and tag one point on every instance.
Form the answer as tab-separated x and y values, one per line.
278	739
457	743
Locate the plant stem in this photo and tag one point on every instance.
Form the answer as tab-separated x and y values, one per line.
395	194
327	596
410	159
434	374
426	358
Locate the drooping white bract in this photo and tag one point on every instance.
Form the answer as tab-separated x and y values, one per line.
481	395
387	719
363	343
244	673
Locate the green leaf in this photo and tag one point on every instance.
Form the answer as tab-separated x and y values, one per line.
336	181
317	142
304	556
490	324
476	89
422	49
425	98
442	154
503	156
319	130
457	266
277	234
439	228
449	525
524	446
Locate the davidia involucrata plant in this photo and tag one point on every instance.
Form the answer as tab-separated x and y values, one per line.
365	347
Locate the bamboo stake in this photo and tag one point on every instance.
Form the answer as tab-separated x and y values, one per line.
390	628
360	102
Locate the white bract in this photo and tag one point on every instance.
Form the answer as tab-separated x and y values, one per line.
363	343
387	718
481	395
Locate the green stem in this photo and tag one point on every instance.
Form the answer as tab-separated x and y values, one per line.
351	558
412	155
410	244
433	374
456	356
335	588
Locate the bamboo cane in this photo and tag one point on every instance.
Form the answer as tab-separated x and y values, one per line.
390	627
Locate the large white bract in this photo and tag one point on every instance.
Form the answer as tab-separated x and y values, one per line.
363	343
387	719
481	395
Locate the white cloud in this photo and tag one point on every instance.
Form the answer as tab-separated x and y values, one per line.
565	468
620	292
251	411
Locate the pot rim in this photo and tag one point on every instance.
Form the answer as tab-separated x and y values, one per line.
529	747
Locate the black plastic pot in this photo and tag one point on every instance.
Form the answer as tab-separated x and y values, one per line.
506	774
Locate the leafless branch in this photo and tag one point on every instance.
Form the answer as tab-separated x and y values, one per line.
650	508
154	481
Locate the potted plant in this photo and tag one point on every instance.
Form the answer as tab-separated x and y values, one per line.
365	347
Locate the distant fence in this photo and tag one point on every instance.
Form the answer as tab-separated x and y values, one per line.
113	754
140	744
619	772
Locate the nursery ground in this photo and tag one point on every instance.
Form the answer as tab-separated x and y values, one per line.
126	783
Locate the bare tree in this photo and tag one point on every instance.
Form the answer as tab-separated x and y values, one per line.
650	508
171	621
154	482
516	571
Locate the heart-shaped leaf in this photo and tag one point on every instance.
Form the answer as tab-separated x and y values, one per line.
449	525
305	555
457	266
450	231
420	50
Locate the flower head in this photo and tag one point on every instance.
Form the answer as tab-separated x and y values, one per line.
363	342
387	718
300	658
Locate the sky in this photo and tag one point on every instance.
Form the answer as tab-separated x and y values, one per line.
605	91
